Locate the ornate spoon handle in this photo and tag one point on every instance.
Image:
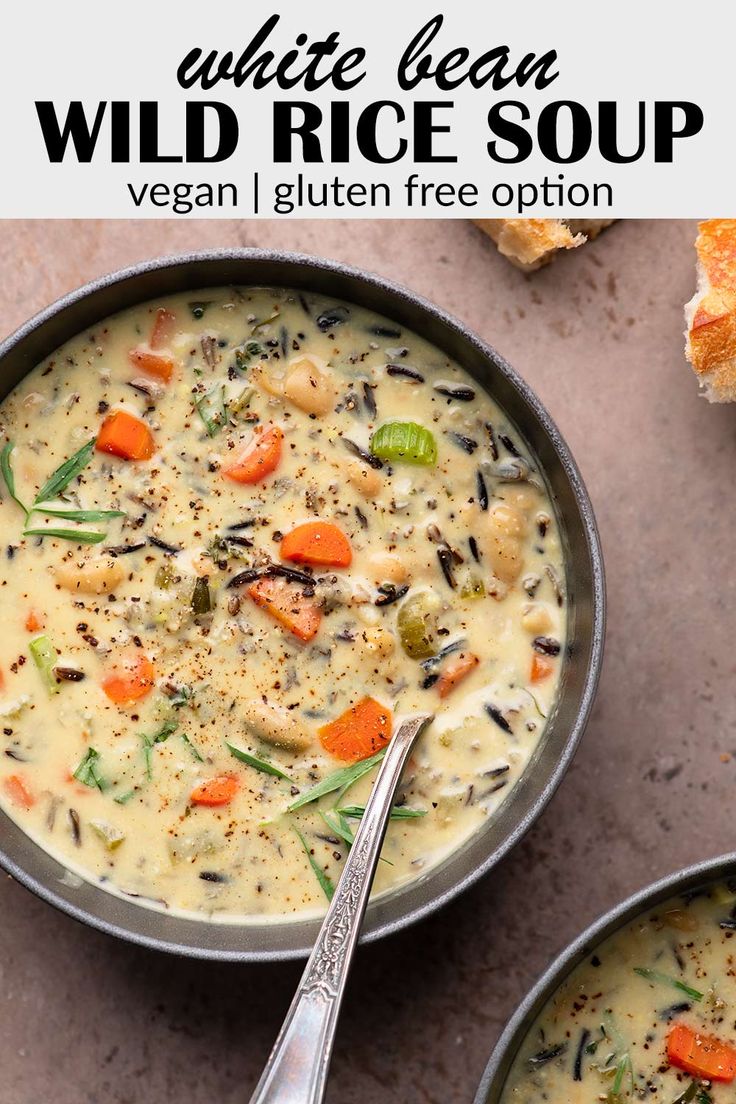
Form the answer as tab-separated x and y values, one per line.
296	1072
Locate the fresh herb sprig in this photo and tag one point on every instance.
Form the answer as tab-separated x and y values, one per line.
666	979
257	764
57	482
60	479
398	812
87	772
212	409
624	1068
338	825
340	780
326	883
150	740
6	468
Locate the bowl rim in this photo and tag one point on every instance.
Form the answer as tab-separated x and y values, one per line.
413	300
563	963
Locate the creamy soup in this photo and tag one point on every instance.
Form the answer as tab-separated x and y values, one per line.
260	525
651	1015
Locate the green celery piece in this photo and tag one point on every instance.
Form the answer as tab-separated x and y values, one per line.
45	655
399	812
64	474
325	882
340	780
111	836
212	409
257	764
416	622
666	979
78	536
201	600
404	441
7	471
87	772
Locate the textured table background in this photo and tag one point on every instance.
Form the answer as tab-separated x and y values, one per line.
86	1020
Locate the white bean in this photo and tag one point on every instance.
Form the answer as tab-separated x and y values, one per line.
310	386
365	480
275	725
95	576
379	641
536	619
508	520
387	568
505	555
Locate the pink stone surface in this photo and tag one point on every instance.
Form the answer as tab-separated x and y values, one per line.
87	1020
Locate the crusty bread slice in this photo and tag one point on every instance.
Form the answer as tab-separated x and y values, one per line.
531	243
710	315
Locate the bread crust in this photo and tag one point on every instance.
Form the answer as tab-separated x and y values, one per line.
711	313
531	243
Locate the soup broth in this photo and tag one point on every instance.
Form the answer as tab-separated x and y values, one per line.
650	1015
244	530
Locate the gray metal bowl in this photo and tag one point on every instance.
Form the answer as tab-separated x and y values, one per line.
682	881
82	309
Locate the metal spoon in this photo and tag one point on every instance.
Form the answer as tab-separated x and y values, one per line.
296	1072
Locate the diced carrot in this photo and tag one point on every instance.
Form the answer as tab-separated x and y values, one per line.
285	602
164	328
34	621
317	542
129	679
122	434
153	364
18	792
360	731
542	668
700	1055
215	791
260	457
454	671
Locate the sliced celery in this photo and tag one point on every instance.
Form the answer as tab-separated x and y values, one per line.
45	655
404	441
